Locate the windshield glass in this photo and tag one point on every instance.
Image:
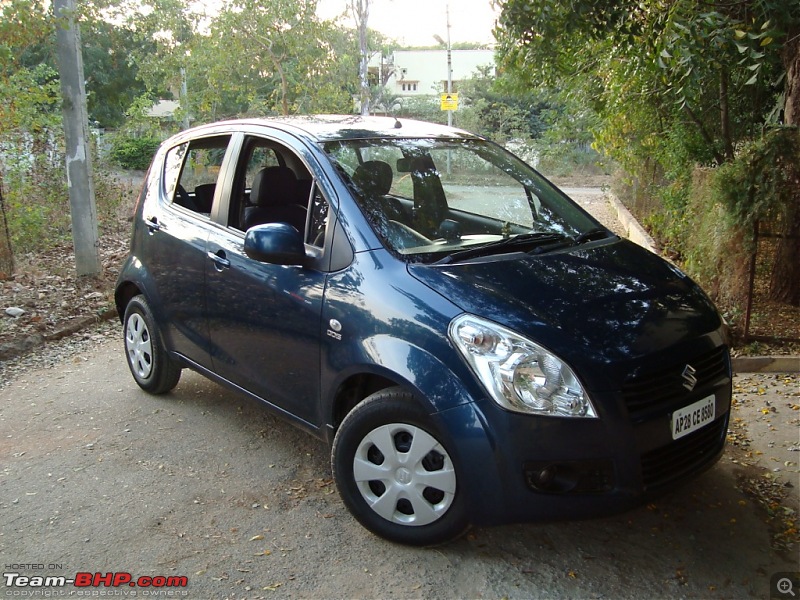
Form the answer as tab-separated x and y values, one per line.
431	198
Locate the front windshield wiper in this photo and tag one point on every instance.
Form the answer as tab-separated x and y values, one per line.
526	240
593	234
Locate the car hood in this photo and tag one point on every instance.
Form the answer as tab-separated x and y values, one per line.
596	304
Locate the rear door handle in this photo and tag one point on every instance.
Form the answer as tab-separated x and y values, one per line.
219	259
152	224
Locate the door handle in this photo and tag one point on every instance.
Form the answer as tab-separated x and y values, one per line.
219	259
152	224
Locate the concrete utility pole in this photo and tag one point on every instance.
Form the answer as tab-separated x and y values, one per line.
449	69
76	134
360	10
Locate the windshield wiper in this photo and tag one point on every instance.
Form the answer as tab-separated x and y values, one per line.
593	234
523	240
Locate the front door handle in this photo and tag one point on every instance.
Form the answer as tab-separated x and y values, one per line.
220	262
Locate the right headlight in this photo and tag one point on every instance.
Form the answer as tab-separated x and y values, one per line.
519	374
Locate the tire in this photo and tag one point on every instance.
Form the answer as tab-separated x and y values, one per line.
395	474
147	358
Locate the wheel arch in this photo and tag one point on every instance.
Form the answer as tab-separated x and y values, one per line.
353	390
394	362
123	294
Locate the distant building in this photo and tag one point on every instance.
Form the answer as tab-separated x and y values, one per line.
424	72
163	109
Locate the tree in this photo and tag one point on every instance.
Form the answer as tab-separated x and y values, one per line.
280	48
683	82
165	31
493	108
112	80
785	277
22	24
253	58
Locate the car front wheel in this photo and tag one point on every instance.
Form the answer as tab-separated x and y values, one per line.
395	474
148	361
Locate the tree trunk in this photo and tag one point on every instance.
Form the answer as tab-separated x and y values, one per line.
785	278
791	61
784	285
725	118
6	252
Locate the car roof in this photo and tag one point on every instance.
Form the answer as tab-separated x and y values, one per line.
324	128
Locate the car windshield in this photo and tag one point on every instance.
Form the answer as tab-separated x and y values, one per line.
432	199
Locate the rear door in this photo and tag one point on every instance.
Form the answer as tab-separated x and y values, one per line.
178	223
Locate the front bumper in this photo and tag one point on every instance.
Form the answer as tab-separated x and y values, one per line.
546	468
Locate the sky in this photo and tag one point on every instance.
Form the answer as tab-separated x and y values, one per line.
409	22
415	22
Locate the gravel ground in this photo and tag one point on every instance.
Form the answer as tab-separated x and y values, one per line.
101	477
595	202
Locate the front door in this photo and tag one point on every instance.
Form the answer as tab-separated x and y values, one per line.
264	319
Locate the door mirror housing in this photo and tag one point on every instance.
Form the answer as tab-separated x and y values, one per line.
275	243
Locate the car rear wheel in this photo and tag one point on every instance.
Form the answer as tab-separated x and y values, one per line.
395	474
148	361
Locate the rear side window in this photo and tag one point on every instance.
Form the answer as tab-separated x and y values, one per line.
191	171
172	169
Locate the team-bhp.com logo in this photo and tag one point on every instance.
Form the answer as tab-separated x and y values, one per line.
94	580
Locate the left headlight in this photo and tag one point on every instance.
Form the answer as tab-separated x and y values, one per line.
519	374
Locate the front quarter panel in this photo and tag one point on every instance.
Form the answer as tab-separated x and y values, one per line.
379	320
392	326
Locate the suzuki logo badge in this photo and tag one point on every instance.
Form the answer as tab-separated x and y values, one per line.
689	379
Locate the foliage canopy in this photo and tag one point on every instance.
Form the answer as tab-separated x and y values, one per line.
677	85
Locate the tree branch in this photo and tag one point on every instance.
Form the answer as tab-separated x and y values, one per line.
704	133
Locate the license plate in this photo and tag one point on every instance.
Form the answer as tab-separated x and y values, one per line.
693	417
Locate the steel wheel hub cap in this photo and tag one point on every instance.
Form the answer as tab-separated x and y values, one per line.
139	347
404	474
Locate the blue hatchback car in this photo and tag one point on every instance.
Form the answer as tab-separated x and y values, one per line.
474	346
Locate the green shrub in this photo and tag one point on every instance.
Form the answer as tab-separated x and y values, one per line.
713	243
37	210
761	183
132	152
570	159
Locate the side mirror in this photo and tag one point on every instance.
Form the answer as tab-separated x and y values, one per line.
275	243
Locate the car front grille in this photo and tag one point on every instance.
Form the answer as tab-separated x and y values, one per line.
685	456
662	390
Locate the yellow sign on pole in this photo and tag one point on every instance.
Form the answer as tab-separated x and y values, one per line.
450	101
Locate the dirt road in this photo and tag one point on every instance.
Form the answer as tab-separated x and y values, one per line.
97	476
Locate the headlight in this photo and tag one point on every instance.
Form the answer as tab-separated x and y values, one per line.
519	374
